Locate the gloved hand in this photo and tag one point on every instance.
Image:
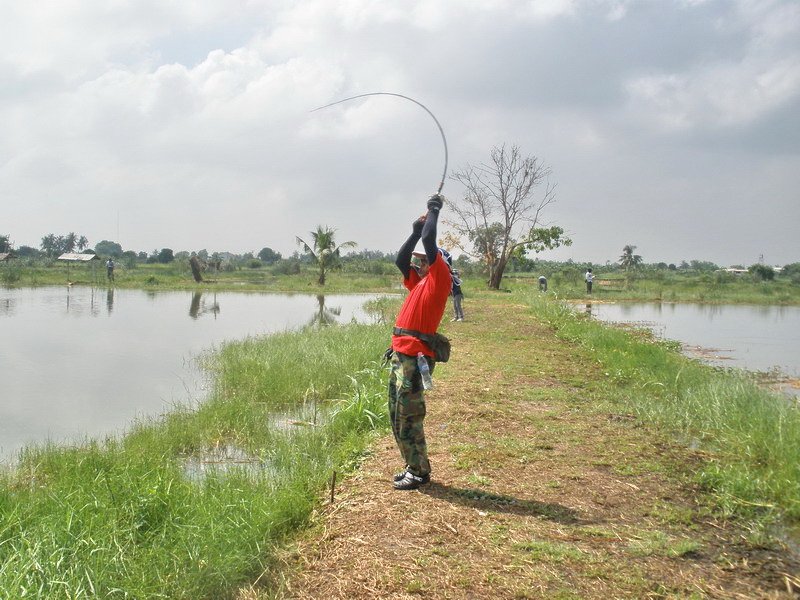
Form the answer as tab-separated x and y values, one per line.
435	202
417	226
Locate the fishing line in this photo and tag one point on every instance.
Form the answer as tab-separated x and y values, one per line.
441	131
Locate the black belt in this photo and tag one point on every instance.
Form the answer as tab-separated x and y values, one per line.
425	337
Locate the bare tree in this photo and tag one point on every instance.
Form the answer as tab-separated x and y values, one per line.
499	214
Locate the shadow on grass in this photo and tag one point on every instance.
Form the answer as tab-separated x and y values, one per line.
483	500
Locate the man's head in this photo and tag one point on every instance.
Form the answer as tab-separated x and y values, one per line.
423	267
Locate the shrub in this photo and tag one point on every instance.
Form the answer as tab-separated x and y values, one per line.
762	272
286	267
10	275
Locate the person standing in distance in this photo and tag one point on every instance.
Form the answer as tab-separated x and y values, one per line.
429	286
458	297
589	279
110	269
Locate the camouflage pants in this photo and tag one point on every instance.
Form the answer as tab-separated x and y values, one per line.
407	411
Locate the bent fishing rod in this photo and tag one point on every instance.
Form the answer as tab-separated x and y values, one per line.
441	131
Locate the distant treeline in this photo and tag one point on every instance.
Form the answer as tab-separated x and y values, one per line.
381	263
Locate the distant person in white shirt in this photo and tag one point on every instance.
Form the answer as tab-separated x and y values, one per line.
589	279
542	283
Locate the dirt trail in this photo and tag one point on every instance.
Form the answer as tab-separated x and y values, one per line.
536	493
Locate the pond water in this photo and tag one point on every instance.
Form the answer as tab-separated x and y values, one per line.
756	338
80	361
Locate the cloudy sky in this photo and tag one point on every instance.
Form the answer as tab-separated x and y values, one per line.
672	125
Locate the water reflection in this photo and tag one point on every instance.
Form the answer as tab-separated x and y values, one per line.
77	303
199	307
325	315
759	338
7	306
68	373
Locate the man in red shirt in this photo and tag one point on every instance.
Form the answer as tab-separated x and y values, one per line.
429	286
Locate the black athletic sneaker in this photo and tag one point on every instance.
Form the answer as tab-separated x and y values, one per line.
398	476
411	481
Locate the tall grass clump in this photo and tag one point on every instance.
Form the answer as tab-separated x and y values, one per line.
194	504
752	433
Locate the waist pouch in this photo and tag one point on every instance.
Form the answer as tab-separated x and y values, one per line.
438	343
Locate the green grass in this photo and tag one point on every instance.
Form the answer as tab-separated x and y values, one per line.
753	435
131	518
715	288
177	275
664	286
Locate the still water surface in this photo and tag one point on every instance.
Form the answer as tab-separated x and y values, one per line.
77	362
756	338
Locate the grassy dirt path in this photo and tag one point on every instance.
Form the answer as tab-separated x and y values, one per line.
537	492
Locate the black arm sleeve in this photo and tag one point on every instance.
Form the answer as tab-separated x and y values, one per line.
429	235
403	260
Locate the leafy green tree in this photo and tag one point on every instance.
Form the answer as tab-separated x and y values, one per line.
792	271
629	260
499	214
27	252
324	250
269	256
5	245
50	245
129	258
107	248
703	266
762	272
165	256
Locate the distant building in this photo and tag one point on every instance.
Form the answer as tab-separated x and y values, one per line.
78	258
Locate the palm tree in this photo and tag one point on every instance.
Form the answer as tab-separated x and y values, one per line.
50	245
83	243
70	242
628	258
324	249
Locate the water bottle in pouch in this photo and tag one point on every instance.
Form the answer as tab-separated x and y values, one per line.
425	371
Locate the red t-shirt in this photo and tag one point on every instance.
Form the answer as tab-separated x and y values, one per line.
424	307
